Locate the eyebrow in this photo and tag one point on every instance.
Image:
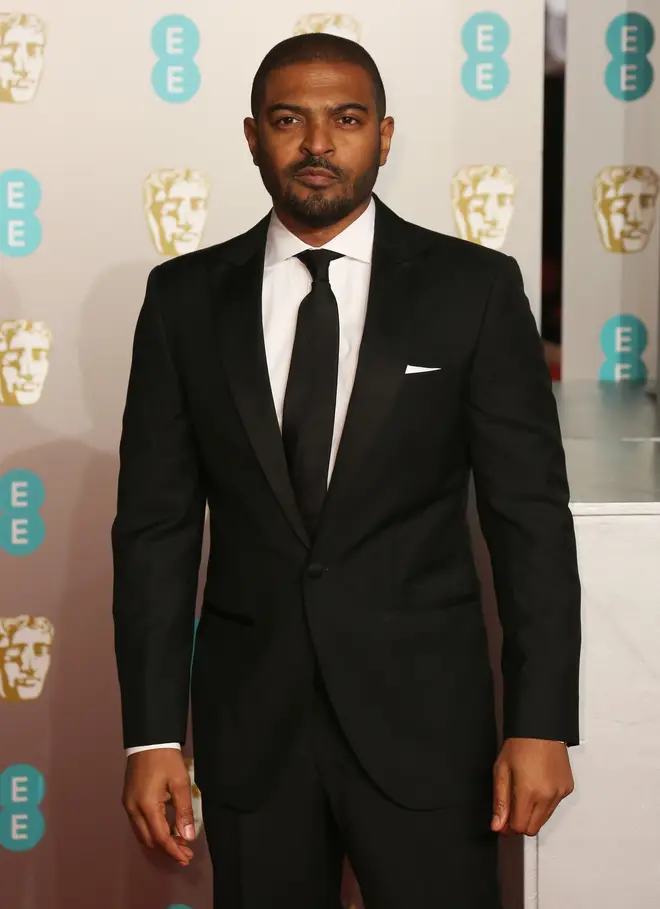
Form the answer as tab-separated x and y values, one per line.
337	109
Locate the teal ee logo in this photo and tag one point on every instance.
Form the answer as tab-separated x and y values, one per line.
623	341
22	824
20	229
175	41
22	528
485	73
629	74
178	906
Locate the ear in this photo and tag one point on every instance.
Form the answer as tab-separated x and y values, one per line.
252	136
386	132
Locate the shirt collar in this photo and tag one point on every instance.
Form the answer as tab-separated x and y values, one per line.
355	242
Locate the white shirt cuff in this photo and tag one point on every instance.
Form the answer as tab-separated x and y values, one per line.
130	751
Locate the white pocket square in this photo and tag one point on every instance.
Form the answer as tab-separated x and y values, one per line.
410	369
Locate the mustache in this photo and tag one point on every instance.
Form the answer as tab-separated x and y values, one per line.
320	162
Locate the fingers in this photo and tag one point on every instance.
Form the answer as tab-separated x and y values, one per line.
182	801
141	830
184	846
528	810
150	826
541	814
531	811
501	796
160	833
523	802
153	779
538	778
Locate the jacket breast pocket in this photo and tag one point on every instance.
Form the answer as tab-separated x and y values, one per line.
428	395
422	372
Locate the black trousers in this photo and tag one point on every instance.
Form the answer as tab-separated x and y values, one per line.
289	853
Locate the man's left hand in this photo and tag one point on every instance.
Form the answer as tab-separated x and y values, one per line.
531	777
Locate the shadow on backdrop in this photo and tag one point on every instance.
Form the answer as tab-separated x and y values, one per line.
89	855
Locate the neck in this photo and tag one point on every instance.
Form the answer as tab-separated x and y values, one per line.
319	236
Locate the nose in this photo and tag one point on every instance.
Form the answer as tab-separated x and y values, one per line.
27	661
634	212
316	141
183	215
25	364
20	59
491	210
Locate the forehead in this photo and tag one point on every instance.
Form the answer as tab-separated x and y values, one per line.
187	188
27	635
22	34
319	83
492	185
633	186
22	339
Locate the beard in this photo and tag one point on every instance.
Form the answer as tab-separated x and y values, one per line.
319	209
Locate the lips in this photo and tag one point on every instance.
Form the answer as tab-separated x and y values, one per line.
316	176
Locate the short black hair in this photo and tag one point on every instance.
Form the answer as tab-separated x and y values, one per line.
316	46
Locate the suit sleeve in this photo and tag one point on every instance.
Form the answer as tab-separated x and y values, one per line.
522	494
156	540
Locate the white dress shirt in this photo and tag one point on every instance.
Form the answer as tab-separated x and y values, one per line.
286	283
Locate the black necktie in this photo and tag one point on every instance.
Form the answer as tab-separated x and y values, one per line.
311	391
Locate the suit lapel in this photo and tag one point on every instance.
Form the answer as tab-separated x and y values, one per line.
382	357
238	315
236	305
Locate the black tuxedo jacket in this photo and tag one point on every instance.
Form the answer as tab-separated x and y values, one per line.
385	600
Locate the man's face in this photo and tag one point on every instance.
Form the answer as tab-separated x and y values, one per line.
25	663
488	210
21	62
181	217
24	367
628	212
318	141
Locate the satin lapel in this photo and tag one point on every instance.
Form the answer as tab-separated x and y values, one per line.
238	317
380	372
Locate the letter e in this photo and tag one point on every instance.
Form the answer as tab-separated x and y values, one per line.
485	39
174	41
623	339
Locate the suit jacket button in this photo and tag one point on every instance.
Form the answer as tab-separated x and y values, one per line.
315	570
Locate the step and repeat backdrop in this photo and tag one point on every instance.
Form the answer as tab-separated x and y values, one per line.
612	184
121	144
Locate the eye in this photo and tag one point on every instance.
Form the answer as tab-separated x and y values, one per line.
286	121
346	117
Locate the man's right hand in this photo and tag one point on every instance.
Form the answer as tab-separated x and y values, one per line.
153	778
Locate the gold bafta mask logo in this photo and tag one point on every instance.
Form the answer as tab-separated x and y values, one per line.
625	200
22	43
483	198
25	647
341	24
24	352
176	204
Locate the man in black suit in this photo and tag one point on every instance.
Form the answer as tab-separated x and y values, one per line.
328	382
